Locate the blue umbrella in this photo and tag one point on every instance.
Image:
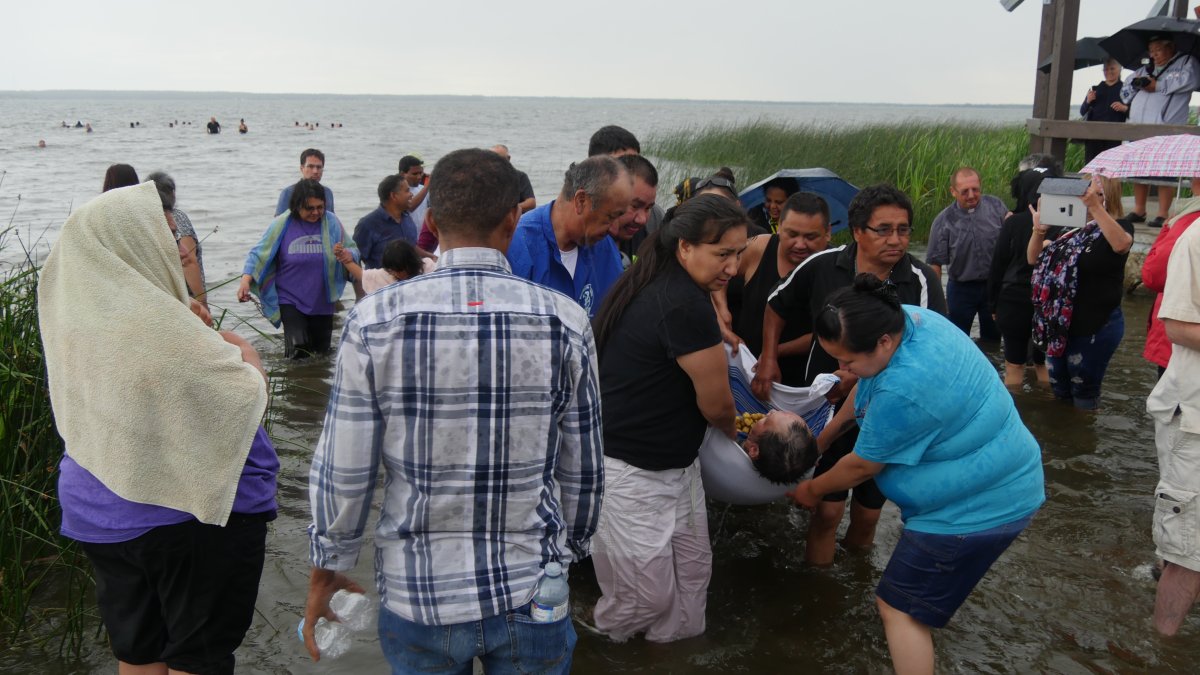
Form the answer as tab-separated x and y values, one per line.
824	182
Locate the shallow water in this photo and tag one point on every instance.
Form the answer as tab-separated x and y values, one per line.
1072	595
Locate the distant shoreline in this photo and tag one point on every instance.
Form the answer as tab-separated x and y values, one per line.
105	93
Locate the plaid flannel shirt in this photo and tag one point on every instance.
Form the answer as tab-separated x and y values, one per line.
478	393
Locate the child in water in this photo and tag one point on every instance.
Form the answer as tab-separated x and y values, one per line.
400	261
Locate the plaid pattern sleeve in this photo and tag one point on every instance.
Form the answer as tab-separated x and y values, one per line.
477	392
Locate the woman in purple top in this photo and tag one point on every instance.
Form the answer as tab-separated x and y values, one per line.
299	269
168	480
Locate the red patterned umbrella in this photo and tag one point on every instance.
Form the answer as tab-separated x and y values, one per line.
1172	156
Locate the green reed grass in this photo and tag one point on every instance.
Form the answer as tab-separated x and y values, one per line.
917	157
44	583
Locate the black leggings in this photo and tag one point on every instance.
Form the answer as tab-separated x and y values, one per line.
1015	320
305	334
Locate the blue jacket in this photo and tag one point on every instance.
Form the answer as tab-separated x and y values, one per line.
533	254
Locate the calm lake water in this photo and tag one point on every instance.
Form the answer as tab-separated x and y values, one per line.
1073	595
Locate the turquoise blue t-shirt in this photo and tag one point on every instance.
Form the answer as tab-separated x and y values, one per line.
958	457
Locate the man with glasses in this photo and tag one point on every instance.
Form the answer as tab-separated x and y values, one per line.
312	167
880	219
962	239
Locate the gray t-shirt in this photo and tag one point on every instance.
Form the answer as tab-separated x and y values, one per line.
963	240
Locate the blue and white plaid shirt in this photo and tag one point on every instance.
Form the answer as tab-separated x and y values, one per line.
478	392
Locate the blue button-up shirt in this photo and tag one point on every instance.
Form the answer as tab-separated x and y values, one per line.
376	229
478	393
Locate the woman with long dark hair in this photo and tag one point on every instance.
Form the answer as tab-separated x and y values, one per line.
941	437
663	380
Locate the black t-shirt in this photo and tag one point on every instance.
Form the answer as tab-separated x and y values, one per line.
750	319
526	186
801	296
651	419
1101	285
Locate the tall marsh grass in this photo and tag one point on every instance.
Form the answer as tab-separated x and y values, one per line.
917	157
44	581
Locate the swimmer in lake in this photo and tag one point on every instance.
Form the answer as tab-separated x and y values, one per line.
242	128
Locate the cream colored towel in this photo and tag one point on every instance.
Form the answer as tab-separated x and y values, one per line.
152	402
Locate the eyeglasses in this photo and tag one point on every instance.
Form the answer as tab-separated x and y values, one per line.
318	207
715	181
885	232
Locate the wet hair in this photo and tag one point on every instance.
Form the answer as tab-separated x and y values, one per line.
872	197
119	176
471	191
401	256
387	186
305	190
594	175
312	152
857	316
409	161
784	458
612	138
640	167
704	219
808	203
166	188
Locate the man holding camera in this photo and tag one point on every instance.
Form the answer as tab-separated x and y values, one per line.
1159	93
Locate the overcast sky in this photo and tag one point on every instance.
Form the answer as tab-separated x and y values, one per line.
894	51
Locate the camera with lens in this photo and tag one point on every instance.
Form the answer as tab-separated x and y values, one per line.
1143	81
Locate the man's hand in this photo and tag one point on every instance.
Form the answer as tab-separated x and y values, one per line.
803	496
1153	86
1119	107
322	584
766	373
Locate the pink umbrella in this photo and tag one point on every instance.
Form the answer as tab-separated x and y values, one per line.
1172	156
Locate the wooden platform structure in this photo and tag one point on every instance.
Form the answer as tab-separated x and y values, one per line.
1051	126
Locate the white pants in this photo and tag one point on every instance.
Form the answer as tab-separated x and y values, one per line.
651	553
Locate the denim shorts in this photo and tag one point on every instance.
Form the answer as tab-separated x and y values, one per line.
930	575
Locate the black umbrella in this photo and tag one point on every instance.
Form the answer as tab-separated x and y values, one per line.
1129	44
1088	52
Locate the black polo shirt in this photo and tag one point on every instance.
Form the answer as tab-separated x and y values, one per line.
800	296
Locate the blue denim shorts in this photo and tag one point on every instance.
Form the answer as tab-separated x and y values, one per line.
930	575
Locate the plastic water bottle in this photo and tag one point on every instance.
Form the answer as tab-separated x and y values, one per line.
334	638
551	601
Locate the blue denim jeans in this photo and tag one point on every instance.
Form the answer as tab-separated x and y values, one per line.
505	643
1075	376
965	299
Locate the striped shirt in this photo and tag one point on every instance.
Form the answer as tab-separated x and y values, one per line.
478	394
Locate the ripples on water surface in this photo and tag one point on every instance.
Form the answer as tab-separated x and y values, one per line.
1072	595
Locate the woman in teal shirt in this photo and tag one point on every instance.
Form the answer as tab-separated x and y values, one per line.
943	440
